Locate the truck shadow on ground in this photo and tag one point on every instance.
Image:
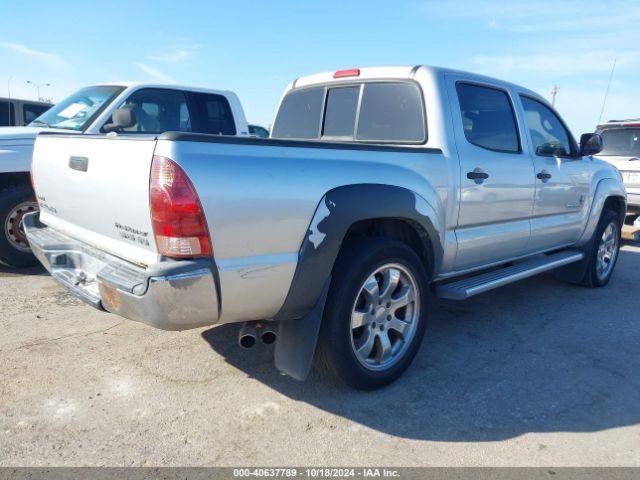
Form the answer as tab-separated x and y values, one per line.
8	271
536	356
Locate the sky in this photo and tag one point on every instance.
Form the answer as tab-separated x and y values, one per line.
257	48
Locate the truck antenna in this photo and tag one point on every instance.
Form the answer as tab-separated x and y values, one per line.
606	93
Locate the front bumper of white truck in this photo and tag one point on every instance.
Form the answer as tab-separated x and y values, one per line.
171	295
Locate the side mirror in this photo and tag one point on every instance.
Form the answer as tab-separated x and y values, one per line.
590	144
121	118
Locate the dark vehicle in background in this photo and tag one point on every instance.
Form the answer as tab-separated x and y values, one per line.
622	149
17	113
258	131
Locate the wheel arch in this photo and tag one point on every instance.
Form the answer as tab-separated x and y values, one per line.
618	204
405	230
10	179
361	209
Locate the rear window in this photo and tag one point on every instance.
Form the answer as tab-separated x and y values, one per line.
300	114
340	112
624	142
390	112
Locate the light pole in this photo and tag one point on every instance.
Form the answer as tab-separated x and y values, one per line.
10	105
554	92
38	87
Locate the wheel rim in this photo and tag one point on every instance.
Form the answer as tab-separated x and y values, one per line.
13	228
607	251
384	317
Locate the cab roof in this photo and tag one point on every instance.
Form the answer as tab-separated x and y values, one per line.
397	72
134	84
630	122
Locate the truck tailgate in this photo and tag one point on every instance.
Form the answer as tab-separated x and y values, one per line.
96	190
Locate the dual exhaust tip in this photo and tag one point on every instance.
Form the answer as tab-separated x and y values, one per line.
250	332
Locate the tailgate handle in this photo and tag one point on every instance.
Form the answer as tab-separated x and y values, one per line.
79	163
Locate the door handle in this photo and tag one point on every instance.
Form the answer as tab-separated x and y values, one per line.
478	176
544	176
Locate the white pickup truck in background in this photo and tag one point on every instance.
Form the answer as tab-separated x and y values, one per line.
142	108
622	149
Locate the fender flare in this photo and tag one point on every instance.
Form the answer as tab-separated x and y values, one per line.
606	188
301	314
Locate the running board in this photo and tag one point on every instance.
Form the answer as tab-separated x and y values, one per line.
484	282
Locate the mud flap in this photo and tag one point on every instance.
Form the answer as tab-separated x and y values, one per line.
575	272
297	340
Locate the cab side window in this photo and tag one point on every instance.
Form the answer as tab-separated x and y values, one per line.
549	136
7	114
31	111
158	111
211	114
487	118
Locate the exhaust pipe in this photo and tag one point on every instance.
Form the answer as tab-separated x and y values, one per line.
248	335
251	331
268	334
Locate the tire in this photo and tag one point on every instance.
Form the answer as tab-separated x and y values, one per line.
348	298
594	276
15	201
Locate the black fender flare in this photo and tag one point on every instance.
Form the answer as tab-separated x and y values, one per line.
337	211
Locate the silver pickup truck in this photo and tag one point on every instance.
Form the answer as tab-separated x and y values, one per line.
378	188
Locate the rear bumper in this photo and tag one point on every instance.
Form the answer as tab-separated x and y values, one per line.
171	295
633	202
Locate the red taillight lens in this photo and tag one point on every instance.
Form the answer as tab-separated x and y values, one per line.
351	72
176	214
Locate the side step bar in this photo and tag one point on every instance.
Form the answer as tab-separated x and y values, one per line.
484	282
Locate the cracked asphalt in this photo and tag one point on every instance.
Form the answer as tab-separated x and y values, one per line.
538	373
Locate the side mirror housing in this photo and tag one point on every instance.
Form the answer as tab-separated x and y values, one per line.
121	118
590	144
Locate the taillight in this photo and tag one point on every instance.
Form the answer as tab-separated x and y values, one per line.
178	221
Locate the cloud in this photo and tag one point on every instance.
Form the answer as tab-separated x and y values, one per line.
557	64
155	73
172	57
182	50
543	17
50	60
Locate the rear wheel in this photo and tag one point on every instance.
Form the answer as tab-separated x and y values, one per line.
374	318
15	202
604	250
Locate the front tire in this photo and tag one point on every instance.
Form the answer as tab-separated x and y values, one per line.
375	316
15	202
604	250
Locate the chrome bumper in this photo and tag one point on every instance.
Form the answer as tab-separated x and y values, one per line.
633	202
171	295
